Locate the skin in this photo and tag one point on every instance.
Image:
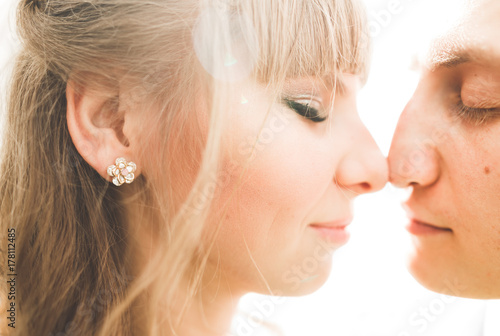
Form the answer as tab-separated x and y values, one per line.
448	156
301	173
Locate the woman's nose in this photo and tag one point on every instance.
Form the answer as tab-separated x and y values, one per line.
364	168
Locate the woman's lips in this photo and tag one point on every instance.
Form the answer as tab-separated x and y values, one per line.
334	232
419	228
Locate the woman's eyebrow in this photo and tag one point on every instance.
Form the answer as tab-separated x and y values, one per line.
340	85
316	87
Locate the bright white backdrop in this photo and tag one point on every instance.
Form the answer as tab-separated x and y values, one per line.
369	293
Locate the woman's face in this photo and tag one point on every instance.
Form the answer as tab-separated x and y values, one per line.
280	225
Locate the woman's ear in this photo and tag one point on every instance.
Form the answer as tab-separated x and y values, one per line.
95	125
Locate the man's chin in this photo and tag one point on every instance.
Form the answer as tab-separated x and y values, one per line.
440	278
428	273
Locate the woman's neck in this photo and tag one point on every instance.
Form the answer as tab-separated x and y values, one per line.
211	312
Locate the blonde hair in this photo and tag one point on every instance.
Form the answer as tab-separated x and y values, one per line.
73	253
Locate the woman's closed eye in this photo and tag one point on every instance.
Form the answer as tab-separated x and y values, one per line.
307	108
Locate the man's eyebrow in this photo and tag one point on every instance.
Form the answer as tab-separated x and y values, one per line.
452	50
450	60
449	55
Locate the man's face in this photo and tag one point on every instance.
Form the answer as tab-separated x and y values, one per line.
447	148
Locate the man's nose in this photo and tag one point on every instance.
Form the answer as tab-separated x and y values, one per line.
413	157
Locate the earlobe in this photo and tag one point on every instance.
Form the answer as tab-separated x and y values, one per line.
96	130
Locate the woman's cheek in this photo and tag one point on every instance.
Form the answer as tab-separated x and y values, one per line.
282	184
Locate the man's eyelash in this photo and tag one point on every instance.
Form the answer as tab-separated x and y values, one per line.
305	110
475	115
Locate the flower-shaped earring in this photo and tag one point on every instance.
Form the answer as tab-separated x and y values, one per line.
122	172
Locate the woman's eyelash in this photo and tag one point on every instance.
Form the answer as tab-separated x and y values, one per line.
305	110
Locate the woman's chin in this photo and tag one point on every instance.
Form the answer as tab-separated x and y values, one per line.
295	282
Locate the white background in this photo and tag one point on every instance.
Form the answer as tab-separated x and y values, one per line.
370	291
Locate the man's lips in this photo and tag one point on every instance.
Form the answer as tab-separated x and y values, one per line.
419	228
418	225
